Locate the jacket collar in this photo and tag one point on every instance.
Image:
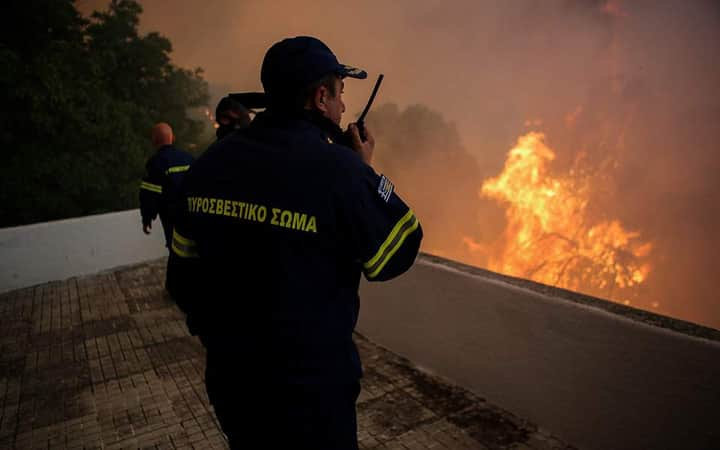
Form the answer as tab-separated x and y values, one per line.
329	130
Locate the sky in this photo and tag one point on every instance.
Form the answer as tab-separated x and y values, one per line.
634	80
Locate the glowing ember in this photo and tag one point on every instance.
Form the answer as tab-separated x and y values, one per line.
549	236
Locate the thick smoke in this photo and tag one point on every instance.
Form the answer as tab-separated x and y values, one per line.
423	155
635	81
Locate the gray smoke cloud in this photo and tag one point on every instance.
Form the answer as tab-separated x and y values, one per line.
633	80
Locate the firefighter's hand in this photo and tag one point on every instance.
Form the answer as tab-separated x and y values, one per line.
147	228
364	149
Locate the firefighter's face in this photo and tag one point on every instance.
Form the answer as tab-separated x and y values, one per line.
333	106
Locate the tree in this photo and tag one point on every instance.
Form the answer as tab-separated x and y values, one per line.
423	155
80	96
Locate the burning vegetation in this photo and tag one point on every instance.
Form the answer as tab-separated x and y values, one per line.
550	237
537	217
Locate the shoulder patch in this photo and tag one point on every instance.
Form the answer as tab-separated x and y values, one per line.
385	188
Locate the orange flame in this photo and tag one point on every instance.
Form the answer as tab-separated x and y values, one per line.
549	236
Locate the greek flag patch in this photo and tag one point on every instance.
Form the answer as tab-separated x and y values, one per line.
385	188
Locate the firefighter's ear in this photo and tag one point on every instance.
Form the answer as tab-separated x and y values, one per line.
319	98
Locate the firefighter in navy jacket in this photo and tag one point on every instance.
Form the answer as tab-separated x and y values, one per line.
279	222
160	186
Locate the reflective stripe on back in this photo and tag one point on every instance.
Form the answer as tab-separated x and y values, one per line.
151	187
177	169
184	247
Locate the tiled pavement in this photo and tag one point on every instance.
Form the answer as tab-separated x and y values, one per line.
106	361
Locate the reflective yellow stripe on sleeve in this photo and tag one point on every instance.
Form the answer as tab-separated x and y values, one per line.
395	239
177	169
184	247
151	187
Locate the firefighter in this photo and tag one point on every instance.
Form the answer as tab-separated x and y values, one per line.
230	115
279	223
159	188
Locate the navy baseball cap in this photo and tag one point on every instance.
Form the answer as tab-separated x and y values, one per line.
228	104
293	64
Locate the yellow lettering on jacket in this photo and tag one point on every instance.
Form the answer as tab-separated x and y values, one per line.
253	212
286	219
312	225
275	217
298	222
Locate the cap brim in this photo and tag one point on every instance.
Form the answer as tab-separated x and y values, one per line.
352	72
250	100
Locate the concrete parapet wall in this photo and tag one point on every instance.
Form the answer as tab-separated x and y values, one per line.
597	379
42	252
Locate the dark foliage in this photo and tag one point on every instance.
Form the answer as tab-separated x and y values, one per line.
79	97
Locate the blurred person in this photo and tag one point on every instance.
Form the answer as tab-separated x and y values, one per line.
160	186
230	115
279	223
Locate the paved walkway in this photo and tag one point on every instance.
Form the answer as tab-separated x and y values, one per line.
106	362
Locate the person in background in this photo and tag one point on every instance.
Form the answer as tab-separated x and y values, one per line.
160	186
230	115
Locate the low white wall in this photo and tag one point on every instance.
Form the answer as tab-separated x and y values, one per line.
42	252
595	379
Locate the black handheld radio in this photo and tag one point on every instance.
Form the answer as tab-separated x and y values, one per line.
361	120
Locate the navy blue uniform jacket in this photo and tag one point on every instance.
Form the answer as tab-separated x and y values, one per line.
279	223
160	187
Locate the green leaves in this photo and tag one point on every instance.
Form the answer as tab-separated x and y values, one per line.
79	98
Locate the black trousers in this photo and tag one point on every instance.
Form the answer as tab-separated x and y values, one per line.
261	415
